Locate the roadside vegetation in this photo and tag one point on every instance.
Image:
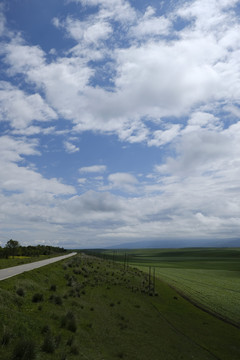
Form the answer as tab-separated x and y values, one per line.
13	254
98	309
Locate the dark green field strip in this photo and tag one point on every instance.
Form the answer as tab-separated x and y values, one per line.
189	263
184	253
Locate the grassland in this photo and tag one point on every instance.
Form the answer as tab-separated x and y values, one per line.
208	277
89	308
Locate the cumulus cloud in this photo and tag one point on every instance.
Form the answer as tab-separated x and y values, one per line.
23	179
161	137
21	57
93	169
21	109
201	151
123	181
87	32
151	25
151	79
70	148
2	21
119	10
144	79
13	149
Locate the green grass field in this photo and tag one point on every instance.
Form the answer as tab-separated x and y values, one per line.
208	277
88	308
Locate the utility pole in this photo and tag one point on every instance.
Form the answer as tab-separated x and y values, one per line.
154	281
149	280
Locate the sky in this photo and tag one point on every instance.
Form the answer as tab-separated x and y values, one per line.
119	121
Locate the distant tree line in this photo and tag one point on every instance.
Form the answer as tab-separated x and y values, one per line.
13	248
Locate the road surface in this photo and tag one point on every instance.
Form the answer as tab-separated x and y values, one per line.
16	270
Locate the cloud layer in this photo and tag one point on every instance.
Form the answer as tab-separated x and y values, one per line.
166	79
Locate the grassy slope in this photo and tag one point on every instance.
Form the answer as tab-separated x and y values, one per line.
209	277
114	318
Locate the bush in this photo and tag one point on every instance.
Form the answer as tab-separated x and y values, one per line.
37	297
56	299
20	292
71	325
63	356
53	287
74	350
69	322
45	329
120	355
70	341
25	349
48	345
6	337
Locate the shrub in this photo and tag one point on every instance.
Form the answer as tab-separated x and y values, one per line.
6	337
56	299
63	356
25	349
45	329
120	355
53	287
48	345
70	341
58	339
37	297
71	325
69	322
74	350
20	292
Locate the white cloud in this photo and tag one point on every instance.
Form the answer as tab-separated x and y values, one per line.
21	57
34	130
12	149
234	110
119	10
162	137
87	32
150	25
123	181
199	152
23	179
2	21
70	148
180	80
64	83
93	169
21	109
156	78
82	181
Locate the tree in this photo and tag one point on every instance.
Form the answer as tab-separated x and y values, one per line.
12	245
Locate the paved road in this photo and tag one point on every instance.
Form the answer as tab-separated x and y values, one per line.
16	270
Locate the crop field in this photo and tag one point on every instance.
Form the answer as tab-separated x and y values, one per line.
99	309
210	278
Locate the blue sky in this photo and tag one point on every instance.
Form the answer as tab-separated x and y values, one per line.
119	121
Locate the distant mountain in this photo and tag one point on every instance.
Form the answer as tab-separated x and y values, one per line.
168	244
